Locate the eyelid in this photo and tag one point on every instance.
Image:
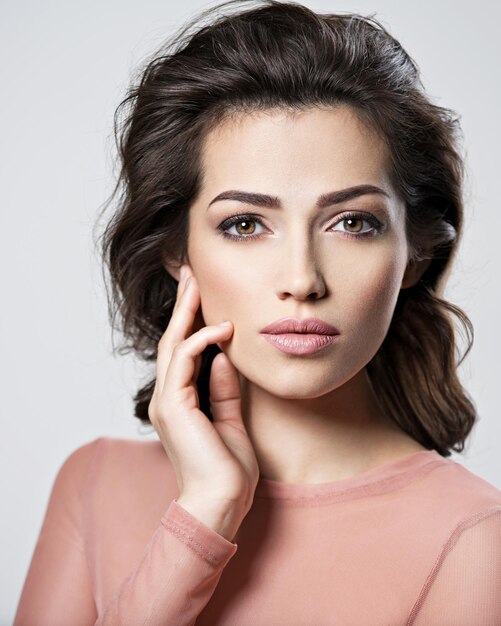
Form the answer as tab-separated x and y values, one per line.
368	207
357	213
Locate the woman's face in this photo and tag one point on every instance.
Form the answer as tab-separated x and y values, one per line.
306	258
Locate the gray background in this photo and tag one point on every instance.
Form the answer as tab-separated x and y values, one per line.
64	68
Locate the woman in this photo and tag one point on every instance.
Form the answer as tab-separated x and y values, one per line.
283	171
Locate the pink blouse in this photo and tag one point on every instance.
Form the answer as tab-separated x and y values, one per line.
414	541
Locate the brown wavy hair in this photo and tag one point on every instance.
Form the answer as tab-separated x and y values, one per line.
263	55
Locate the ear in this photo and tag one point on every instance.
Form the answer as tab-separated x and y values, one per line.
172	264
173	267
413	272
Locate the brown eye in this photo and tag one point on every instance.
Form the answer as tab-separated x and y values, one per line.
351	221
248	228
243	226
352	225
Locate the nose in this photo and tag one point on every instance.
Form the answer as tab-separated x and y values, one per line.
300	277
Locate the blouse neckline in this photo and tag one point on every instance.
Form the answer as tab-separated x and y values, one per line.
375	480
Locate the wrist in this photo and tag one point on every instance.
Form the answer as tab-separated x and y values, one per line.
224	519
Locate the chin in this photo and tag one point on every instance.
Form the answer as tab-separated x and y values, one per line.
296	381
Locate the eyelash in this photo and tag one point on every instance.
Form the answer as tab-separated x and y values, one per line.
236	219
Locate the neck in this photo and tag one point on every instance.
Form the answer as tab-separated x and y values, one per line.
324	439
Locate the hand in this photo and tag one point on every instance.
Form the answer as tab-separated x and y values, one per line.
214	462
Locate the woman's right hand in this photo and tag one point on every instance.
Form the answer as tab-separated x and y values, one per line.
215	464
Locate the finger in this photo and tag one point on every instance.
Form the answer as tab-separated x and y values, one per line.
181	368
179	328
224	389
182	283
181	286
164	346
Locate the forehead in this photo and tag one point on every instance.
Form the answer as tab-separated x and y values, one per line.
330	146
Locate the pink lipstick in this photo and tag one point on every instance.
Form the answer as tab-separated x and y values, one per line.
294	336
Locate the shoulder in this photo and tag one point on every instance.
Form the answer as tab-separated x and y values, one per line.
112	469
112	447
111	450
452	484
105	454
463	525
76	465
450	499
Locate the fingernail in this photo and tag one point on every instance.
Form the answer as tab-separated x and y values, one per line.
182	273
187	283
227	323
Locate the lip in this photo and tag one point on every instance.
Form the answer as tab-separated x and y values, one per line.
296	336
310	325
298	343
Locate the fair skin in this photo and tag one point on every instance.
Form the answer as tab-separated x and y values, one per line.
311	419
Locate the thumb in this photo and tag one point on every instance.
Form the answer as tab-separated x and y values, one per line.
224	390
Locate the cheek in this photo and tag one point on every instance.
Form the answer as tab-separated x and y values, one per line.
221	287
228	289
372	300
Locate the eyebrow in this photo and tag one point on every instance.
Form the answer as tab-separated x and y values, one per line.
325	200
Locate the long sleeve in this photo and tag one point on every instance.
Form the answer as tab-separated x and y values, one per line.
176	577
171	584
464	587
57	588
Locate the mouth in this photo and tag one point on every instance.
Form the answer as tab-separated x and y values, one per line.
300	343
309	325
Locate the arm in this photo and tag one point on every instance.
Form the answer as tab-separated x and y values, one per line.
173	581
464	586
57	588
176	576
